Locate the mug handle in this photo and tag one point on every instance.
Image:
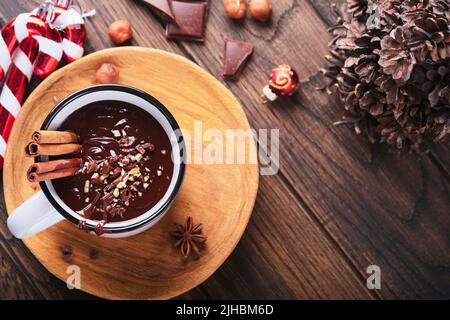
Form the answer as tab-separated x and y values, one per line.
33	216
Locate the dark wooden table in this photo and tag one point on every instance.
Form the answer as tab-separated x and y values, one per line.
337	205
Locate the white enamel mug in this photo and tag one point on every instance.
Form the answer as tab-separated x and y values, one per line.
46	208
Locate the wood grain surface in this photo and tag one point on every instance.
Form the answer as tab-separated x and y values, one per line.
337	205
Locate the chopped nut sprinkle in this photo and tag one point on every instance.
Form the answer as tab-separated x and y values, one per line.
116	133
87	185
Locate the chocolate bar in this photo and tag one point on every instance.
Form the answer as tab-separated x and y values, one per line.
162	8
190	21
236	53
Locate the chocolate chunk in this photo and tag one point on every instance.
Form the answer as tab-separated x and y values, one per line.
113	184
149	146
82	225
190	21
140	148
107	198
92	166
100	229
106	168
125	195
113	160
162	8
127	142
117	211
236	53
89	210
126	161
117	171
97	182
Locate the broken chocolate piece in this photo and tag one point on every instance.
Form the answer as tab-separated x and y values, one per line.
97	182
127	141
149	146
91	166
107	199
162	8
190	18
117	211
113	184
117	171
140	148
100	229
82	225
114	159
236	53
106	168
89	210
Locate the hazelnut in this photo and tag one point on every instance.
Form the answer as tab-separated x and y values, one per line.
260	10
120	31
107	73
235	9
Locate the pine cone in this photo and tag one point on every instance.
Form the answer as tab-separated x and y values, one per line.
428	35
439	98
441	8
357	8
393	78
387	6
396	57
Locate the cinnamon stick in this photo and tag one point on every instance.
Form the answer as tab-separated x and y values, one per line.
34	149
57	174
48	166
53	169
54	137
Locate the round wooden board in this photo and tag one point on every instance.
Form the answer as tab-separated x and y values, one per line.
146	266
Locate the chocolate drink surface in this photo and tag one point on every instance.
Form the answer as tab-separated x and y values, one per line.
127	165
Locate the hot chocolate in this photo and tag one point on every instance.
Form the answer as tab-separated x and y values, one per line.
126	162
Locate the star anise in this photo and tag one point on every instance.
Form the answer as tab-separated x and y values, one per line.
190	237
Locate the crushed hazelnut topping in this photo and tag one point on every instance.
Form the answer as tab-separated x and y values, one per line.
86	186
